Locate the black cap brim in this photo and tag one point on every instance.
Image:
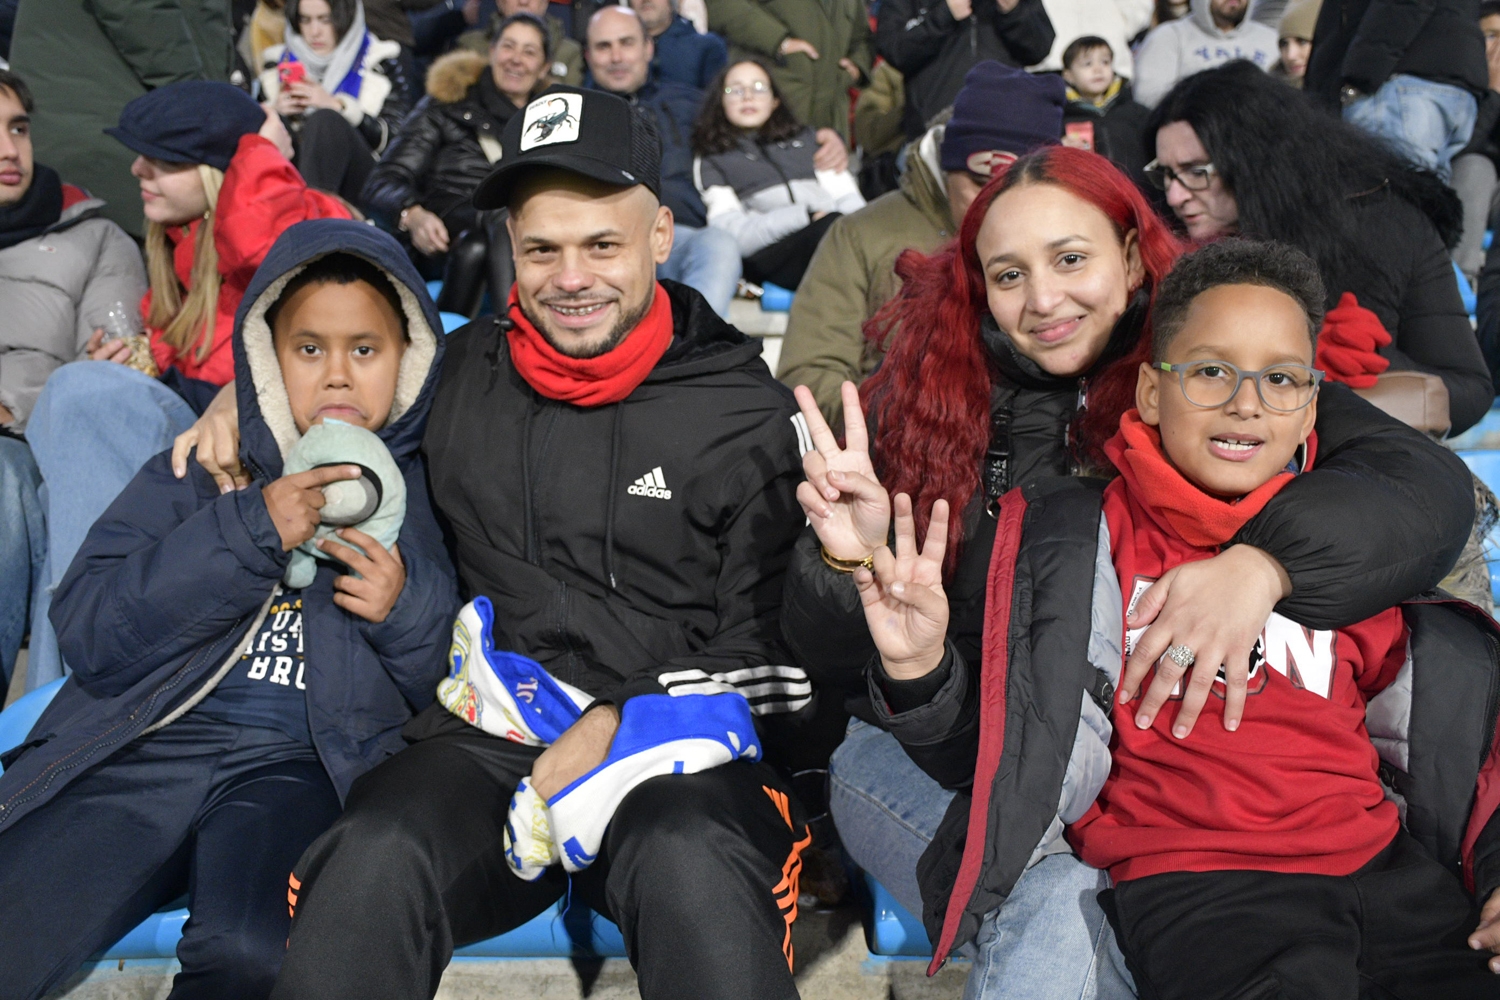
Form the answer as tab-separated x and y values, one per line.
494	190
136	144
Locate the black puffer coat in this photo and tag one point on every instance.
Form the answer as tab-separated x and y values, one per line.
1408	281
437	158
934	52
1383	517
1365	42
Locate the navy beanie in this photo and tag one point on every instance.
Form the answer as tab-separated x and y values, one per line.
191	121
1002	110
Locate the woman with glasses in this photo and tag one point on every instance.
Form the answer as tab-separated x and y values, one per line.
1011	354
753	165
1239	152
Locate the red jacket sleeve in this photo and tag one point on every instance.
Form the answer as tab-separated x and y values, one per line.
1381	642
263	195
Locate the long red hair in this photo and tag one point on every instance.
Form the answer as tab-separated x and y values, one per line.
931	394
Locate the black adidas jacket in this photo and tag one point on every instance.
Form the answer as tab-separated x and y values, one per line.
633	548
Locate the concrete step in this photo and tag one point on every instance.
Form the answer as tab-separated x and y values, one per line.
832	964
768	326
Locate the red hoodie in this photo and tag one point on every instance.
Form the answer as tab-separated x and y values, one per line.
262	196
1295	789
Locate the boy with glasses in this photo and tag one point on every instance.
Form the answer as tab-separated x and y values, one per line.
1266	861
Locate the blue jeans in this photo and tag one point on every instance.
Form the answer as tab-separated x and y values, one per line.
1050	941
705	259
1429	123
94	426
23	546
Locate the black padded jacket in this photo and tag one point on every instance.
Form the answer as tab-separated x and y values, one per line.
934	52
1364	43
436	158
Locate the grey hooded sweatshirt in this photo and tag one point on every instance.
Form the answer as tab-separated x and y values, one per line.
1192	44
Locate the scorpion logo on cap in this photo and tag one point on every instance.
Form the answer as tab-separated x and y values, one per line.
559	114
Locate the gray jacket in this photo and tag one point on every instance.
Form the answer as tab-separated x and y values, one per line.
761	192
54	290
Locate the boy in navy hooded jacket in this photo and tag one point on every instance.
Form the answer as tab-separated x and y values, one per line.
215	719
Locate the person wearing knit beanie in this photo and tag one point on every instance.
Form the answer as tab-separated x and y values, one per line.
1001	114
1294	39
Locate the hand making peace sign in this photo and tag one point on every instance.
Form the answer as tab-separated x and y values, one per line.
845	503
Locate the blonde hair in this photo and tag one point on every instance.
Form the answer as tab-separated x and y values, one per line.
185	321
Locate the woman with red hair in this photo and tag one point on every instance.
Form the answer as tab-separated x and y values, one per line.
1012	353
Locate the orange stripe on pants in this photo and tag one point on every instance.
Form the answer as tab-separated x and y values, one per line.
789	888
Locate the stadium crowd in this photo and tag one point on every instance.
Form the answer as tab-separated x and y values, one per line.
406	540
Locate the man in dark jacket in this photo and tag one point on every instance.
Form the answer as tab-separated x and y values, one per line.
86	59
619	52
1408	72
630	529
177	758
682	55
934	43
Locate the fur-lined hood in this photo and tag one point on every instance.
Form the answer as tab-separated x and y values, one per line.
450	78
266	425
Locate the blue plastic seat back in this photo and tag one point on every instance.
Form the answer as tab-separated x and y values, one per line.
1466	291
17	720
893	932
452	321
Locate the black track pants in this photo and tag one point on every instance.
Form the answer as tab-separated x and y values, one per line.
1394	930
700	872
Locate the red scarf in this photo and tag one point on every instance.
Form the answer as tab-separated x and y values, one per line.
608	378
1175	504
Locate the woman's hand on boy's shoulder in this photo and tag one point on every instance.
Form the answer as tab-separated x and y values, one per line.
382	575
1486	936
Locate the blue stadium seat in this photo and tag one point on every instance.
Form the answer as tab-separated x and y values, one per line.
452	321
434	289
1486	468
1471	300
893	932
555	933
774	298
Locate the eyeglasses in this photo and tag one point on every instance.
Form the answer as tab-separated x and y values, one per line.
1211	384
1194	178
757	89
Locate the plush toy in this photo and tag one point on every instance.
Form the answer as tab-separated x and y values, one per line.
375	503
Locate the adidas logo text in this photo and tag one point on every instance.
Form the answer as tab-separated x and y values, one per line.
650	485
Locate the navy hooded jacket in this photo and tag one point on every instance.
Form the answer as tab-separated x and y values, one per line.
173	576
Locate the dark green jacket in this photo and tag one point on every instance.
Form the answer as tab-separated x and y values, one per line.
852	275
85	59
817	90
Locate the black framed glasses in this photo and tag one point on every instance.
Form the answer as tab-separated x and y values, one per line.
1195	178
1211	384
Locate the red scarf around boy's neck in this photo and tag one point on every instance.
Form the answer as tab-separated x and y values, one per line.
598	381
1175	504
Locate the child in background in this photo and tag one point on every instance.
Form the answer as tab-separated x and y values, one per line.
215	720
753	165
1100	114
1266	861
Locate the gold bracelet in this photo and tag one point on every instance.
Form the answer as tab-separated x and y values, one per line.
846	565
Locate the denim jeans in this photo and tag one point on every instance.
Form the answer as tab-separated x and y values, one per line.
1050	941
23	546
94	426
706	259
1429	123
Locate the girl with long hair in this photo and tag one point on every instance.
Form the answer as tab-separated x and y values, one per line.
1012	353
341	90
1239	153
753	165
